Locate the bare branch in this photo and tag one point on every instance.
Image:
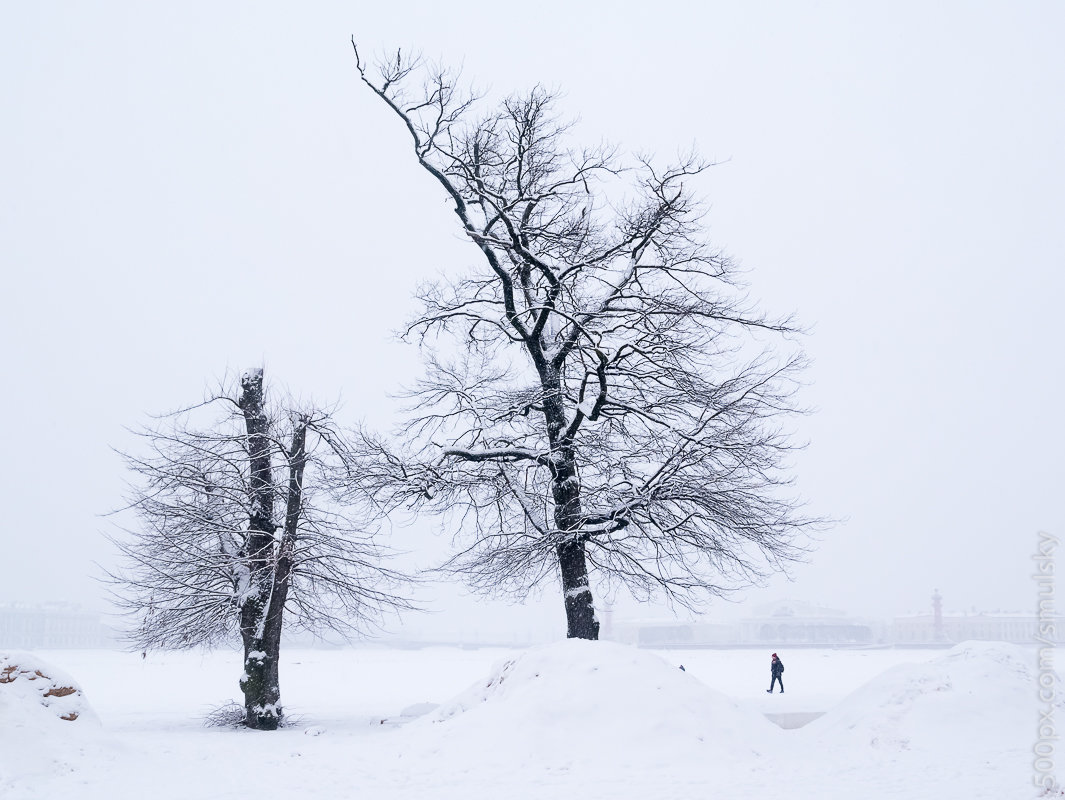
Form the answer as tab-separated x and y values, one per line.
616	402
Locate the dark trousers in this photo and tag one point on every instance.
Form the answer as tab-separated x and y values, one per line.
773	683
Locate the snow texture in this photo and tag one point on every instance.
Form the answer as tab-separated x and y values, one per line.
46	724
32	690
585	703
589	719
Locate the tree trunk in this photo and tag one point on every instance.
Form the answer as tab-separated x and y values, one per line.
260	684
566	490
263	687
580	610
259	681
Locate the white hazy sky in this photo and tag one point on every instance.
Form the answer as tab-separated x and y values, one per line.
892	172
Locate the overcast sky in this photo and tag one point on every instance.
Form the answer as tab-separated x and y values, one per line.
891	172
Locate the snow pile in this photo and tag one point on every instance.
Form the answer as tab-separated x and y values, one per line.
984	689
30	688
967	716
44	717
593	706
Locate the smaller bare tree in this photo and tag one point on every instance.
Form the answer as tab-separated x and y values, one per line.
246	521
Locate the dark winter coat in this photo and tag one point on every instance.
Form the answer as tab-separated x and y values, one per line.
778	667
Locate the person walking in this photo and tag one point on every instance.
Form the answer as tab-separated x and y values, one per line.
776	669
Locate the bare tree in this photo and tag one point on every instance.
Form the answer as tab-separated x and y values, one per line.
598	393
248	520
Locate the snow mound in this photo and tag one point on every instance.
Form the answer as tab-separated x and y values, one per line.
44	717
31	688
972	702
593	705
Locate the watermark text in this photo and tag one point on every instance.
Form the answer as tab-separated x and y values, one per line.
1047	690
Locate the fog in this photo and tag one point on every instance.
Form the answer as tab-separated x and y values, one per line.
892	173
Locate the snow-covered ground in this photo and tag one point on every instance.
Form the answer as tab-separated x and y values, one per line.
593	720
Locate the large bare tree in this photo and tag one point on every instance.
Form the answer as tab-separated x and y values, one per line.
599	394
247	515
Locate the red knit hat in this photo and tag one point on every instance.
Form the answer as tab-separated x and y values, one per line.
774	655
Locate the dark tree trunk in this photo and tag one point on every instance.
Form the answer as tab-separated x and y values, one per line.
297	461
262	694
566	490
266	687
580	611
259	682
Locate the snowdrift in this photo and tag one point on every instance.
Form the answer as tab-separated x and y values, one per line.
44	717
31	689
964	719
979	692
588	705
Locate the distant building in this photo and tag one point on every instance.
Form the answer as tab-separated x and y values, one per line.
784	622
671	633
794	622
51	626
960	627
948	628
